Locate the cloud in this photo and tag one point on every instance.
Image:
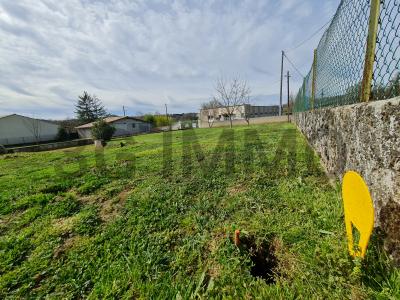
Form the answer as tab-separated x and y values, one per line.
143	54
19	90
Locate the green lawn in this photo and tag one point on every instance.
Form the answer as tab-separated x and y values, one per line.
114	228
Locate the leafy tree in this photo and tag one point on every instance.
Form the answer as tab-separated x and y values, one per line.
150	119
89	108
161	120
157	120
101	130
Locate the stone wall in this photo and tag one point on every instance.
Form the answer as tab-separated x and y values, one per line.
51	146
364	138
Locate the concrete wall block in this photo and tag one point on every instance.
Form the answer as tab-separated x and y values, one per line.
365	138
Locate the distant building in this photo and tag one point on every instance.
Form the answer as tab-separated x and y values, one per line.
188	124
240	112
124	126
16	129
184	116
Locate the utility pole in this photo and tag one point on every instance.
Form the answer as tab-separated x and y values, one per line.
123	108
288	95
280	98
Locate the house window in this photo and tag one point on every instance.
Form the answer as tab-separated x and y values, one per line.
133	125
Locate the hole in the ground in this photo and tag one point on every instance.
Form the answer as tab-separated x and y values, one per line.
262	256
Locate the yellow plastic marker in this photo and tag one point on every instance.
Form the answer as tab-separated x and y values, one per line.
358	211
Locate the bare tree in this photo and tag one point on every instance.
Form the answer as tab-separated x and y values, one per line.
211	108
247	107
231	94
33	125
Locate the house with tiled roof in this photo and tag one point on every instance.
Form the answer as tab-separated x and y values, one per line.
124	126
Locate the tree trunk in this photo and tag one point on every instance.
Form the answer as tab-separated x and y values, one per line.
230	120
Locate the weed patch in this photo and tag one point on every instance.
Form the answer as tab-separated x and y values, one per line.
88	221
29	201
58	187
14	252
65	207
68	244
91	185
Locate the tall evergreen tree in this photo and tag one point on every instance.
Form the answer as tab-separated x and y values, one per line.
98	108
89	108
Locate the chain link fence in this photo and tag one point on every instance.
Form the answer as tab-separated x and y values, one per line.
386	79
337	74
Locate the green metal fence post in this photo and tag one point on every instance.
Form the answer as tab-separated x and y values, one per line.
370	51
314	78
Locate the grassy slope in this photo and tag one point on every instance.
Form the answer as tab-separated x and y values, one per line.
111	232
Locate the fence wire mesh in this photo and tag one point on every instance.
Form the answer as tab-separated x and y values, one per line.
386	79
341	56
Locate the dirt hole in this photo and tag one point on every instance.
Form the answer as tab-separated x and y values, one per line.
262	256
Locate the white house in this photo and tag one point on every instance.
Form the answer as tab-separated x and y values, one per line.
16	129
124	126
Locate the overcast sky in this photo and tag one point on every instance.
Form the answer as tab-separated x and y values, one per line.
145	53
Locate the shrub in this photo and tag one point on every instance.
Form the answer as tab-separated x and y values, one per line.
101	130
3	150
62	134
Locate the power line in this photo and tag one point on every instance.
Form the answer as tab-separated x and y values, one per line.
297	70
341	6
310	37
276	82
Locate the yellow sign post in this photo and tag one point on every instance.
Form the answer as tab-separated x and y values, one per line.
358	211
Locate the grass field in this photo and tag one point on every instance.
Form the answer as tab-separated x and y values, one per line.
143	222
